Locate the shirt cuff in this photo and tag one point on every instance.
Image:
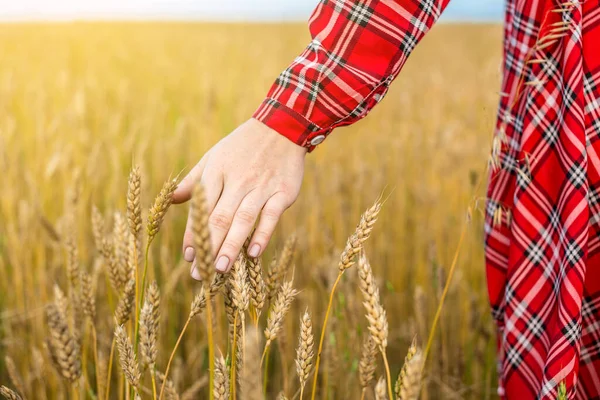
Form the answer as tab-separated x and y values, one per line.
291	124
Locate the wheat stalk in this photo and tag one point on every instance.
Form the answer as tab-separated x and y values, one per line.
63	345
204	257
240	295
305	351
353	245
198	304
9	394
127	357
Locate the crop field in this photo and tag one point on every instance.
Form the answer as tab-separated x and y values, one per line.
82	105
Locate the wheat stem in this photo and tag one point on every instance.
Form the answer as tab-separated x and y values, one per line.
162	388
323	329
266	372
153	376
95	345
387	372
211	347
110	363
233	357
443	297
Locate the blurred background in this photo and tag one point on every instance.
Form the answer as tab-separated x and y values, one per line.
225	10
90	88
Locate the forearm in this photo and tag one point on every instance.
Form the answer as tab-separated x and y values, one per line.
358	48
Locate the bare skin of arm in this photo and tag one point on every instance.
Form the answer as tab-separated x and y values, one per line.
254	173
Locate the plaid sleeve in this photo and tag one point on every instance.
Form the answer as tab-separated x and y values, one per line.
358	48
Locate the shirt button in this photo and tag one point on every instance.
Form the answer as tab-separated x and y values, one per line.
317	140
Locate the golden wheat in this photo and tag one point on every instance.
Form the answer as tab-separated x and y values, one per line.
9	394
305	351
126	302
89	116
221	379
63	345
127	357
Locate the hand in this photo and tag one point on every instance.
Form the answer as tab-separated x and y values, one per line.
254	170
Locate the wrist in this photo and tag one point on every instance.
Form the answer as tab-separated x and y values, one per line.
275	138
291	124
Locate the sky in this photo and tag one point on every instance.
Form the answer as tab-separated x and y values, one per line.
226	10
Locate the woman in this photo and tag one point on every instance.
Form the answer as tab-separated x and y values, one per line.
543	211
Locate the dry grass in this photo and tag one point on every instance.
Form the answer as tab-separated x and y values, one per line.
161	94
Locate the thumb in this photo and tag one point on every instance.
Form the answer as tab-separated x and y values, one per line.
184	190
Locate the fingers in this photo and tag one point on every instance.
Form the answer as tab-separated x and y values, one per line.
213	185
221	219
269	217
241	226
185	188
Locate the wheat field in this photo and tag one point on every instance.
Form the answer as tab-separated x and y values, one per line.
81	104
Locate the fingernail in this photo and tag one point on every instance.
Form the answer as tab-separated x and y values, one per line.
189	254
194	272
222	264
254	250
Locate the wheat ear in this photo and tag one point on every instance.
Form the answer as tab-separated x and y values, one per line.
127	358
125	305
305	351
64	347
14	375
378	324
9	394
380	392
281	306
367	364
159	209
258	288
88	298
408	384
353	245
97	227
221	379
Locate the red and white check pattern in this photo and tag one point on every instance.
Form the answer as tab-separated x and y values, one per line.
543	254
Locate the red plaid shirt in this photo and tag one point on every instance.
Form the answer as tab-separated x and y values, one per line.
543	211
